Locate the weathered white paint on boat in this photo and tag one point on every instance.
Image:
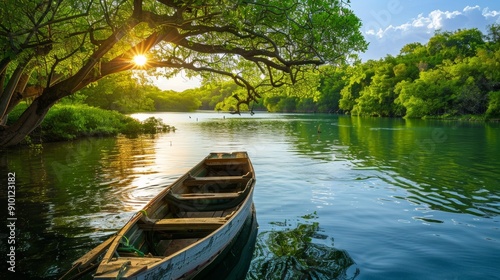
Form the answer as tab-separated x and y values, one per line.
188	261
197	256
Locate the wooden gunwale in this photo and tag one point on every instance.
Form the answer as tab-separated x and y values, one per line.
198	231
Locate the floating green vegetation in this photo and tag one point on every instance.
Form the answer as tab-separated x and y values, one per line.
292	253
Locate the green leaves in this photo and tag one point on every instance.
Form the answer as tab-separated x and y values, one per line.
258	44
493	110
450	75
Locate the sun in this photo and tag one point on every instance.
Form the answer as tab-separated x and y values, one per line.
140	60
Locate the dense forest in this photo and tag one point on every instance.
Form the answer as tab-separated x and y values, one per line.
453	74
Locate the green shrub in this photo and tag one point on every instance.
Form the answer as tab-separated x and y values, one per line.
493	110
71	121
131	127
154	125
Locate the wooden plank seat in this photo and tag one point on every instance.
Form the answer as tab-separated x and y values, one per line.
195	181
179	224
201	196
225	162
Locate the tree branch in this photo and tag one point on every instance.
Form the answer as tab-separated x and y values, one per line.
9	90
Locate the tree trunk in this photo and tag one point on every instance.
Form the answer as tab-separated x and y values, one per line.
29	120
9	90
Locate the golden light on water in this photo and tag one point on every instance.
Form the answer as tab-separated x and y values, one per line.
140	60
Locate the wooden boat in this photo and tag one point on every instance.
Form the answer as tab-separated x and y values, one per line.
184	228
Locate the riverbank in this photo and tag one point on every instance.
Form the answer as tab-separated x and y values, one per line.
465	118
68	122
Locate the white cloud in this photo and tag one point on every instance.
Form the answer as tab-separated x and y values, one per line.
469	8
391	39
491	14
437	18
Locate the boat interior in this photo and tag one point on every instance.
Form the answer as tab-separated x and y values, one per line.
195	206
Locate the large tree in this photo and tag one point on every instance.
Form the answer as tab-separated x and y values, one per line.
52	48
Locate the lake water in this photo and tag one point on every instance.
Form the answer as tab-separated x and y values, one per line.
367	198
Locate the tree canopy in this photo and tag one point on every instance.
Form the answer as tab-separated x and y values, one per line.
453	75
53	48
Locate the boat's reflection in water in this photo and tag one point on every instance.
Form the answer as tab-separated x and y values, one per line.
234	261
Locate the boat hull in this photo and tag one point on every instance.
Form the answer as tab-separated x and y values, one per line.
234	262
210	205
190	262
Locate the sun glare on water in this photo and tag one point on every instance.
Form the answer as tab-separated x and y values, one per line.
140	60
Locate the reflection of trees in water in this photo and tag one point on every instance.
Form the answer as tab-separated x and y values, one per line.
444	166
292	254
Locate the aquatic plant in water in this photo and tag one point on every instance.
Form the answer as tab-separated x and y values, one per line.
291	253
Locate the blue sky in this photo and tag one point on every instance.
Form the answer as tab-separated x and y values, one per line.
390	24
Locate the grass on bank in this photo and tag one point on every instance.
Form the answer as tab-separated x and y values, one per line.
68	122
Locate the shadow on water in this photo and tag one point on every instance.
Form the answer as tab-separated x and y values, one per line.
299	253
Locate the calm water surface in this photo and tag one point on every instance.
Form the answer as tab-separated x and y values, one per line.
364	199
